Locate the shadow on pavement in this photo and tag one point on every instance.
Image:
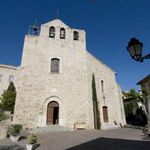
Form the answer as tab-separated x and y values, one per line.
112	144
22	138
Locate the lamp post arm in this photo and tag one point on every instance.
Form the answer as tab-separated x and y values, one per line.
146	56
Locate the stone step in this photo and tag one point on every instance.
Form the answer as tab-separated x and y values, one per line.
50	128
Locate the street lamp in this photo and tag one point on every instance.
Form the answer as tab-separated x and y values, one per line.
135	50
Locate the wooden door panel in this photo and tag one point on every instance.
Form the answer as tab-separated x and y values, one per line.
53	113
105	114
50	115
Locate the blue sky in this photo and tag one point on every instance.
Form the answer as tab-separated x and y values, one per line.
109	25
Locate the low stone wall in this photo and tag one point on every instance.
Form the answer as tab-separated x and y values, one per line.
4	128
3	132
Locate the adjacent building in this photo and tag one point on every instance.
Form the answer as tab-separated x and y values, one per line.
7	75
145	84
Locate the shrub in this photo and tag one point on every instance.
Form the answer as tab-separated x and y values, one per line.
3	116
8	98
15	129
32	138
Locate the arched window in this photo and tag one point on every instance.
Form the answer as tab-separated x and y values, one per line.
75	35
62	33
102	86
55	62
105	113
52	32
11	79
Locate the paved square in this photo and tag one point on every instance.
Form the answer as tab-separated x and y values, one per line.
117	139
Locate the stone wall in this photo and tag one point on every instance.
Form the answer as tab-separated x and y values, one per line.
4	125
110	96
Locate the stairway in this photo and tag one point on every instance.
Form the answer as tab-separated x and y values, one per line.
50	128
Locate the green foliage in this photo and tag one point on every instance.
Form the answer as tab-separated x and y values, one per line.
11	87
8	98
32	138
15	129
1	106
135	96
95	105
132	94
2	116
145	93
129	109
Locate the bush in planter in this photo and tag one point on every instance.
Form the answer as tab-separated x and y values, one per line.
32	139
15	129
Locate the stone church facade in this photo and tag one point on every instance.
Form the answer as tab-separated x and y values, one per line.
54	81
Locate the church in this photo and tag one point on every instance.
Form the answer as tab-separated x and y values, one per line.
54	82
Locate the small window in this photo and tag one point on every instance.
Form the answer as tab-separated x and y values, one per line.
0	77
52	32
102	86
62	33
75	35
55	65
11	79
105	113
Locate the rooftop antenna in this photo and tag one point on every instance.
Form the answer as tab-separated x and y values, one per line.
57	14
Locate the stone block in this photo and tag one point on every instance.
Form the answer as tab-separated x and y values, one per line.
80	126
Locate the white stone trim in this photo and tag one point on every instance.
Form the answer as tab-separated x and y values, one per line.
43	115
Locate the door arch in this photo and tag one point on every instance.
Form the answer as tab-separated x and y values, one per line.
52	113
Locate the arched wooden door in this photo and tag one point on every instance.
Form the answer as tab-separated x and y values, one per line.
53	113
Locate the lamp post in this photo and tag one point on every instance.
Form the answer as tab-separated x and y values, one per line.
135	50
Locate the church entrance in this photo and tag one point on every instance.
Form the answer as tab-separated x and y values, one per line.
52	113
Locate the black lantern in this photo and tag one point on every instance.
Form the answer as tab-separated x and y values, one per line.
135	50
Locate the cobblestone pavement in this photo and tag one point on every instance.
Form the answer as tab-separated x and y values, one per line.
117	139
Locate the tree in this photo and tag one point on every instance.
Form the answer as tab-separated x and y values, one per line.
95	105
8	98
132	98
132	94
